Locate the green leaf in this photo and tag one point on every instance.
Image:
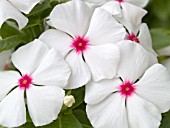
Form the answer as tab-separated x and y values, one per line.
82	117
65	121
10	42
160	38
165	123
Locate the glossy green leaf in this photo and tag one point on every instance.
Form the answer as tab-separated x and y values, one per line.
160	38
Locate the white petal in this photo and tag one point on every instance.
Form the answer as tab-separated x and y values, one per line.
58	40
44	103
80	74
104	28
140	3
103	61
166	63
164	51
109	113
12	109
24	6
8	80
52	71
145	38
113	7
8	11
134	61
72	17
142	114
28	57
98	91
96	1
154	86
4	57
131	17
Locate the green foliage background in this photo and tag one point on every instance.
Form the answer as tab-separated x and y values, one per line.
158	20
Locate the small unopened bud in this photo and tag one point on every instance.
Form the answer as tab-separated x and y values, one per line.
69	100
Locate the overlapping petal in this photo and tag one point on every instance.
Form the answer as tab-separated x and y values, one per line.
28	57
12	109
104	29
72	17
109	113
8	80
44	103
52	71
4	58
154	86
80	72
96	92
8	11
103	61
58	40
134	61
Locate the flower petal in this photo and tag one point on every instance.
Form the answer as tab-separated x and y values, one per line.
4	57
164	51
142	114
44	103
154	86
145	38
104	28
52	71
72	17
131	17
167	64
8	80
58	40
113	7
28	57
12	109
140	3
103	61
134	61
24	6
98	91
8	11
80	74
109	113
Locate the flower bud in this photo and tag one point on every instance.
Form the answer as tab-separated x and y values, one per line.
69	100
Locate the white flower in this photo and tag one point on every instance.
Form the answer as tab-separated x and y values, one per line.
5	59
11	9
140	3
136	99
127	14
43	74
69	100
143	37
86	40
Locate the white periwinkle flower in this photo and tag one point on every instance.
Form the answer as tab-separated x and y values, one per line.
136	99
11	9
86	38
69	100
43	74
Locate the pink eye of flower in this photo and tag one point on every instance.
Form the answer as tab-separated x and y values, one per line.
127	89
25	82
120	1
80	44
132	37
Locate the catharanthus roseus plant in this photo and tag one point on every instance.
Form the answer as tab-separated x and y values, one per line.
80	64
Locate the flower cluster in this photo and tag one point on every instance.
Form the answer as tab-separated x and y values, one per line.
100	44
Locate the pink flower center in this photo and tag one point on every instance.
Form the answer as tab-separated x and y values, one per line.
80	44
25	82
127	89
120	1
132	37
